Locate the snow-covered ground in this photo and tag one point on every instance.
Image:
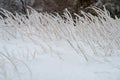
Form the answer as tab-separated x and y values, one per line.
48	47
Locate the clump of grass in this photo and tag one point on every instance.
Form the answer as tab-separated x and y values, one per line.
100	33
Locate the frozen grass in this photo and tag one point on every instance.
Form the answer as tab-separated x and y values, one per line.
87	36
101	34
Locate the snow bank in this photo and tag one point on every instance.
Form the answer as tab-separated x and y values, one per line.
43	46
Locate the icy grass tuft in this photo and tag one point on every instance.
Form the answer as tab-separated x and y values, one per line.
100	33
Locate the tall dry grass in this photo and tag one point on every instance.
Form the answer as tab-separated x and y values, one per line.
101	33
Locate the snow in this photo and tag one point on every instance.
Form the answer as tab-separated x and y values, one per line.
47	47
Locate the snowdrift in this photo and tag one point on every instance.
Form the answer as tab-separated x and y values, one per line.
44	46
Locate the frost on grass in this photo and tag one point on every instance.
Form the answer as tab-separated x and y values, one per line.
87	36
100	33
